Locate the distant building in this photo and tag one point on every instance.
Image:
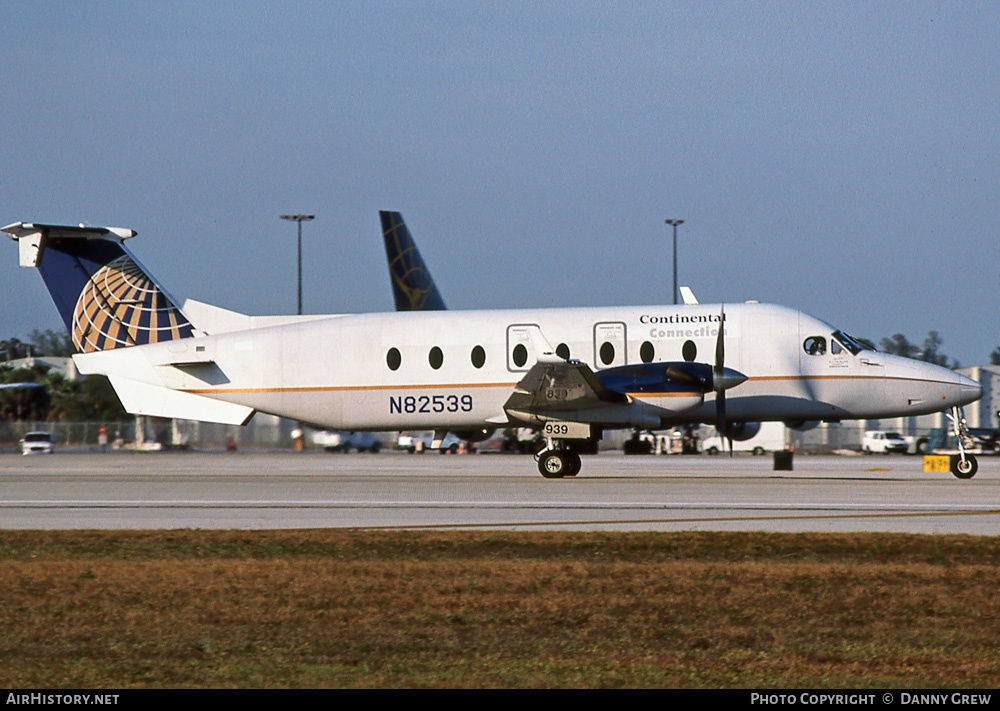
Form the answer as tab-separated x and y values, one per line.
63	366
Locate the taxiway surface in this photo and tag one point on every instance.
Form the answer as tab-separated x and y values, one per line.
613	492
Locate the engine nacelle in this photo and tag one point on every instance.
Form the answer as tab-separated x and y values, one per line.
802	425
742	431
479	435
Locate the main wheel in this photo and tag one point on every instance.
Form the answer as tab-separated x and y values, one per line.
573	464
553	464
966	469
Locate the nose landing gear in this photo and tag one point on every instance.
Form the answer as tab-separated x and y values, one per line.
963	465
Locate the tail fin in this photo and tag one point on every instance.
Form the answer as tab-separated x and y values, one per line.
412	285
105	297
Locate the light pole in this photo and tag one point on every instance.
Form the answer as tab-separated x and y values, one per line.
675	223
305	218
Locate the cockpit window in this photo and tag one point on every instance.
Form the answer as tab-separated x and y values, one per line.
854	345
815	345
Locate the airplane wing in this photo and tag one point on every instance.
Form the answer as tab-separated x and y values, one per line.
639	395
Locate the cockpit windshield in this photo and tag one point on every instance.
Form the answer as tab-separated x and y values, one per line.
854	345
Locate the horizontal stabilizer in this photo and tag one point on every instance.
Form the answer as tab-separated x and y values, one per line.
145	399
81	231
29	237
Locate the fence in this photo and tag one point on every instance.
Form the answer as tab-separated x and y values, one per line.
262	432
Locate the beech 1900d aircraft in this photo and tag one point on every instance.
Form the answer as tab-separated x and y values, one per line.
571	372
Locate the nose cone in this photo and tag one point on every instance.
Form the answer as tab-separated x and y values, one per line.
917	388
954	389
969	390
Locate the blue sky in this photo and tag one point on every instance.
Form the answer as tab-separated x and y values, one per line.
841	158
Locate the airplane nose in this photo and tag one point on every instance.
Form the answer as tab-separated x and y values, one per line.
970	390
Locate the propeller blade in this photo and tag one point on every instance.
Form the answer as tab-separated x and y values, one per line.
720	417
720	342
719	380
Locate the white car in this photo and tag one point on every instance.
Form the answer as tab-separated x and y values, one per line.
421	442
879	442
716	445
37	443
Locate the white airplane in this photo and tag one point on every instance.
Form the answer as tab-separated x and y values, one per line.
570	372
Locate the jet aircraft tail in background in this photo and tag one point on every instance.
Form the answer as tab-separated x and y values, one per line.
413	286
106	298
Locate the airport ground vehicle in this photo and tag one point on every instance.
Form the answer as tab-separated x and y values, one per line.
770	438
420	442
340	441
37	443
881	442
983	441
679	440
716	445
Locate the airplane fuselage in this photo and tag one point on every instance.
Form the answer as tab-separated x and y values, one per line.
456	370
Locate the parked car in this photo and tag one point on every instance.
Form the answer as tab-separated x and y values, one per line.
37	443
421	442
338	441
879	442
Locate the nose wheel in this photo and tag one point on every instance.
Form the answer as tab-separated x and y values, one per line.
558	463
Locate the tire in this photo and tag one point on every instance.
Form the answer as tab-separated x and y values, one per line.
553	464
573	464
758	451
375	448
712	451
966	472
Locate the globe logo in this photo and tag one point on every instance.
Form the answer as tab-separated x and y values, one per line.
121	306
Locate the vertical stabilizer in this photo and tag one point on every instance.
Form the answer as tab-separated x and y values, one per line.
413	287
105	297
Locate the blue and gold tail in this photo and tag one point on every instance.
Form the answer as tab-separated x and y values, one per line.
105	297
413	287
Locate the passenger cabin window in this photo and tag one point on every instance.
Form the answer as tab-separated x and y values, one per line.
815	345
689	351
393	359
646	352
478	357
607	353
435	357
520	355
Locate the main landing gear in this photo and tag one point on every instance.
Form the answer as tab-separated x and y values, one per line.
963	465
557	461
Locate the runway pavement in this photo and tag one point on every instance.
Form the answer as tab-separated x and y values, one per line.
393	490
